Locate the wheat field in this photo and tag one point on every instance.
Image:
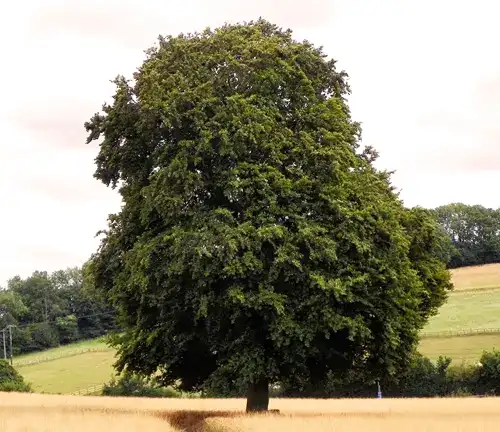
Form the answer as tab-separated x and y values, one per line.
44	413
28	419
354	424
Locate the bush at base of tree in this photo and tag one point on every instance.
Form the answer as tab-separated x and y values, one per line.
132	385
424	378
11	380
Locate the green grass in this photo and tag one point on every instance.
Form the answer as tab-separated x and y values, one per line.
474	304
68	369
62	351
468	310
467	349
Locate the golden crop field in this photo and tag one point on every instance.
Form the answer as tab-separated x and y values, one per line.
476	277
37	413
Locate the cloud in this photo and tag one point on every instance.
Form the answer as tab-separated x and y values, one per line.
60	126
40	231
137	24
466	135
68	192
56	76
487	93
23	261
125	23
46	256
91	42
289	13
426	91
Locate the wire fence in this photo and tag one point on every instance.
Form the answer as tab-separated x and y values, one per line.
89	391
455	333
44	359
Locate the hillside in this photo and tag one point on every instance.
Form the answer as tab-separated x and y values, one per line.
474	304
68	369
476	277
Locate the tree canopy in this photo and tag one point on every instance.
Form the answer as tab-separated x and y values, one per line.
51	309
256	239
474	231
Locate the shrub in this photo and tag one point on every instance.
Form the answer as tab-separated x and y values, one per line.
425	379
461	380
487	377
11	380
132	385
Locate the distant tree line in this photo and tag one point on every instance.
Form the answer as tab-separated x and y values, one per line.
474	232
48	310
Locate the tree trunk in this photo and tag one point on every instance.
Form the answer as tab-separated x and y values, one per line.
258	396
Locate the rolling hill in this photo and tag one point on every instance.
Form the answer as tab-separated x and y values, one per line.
469	322
68	369
474	305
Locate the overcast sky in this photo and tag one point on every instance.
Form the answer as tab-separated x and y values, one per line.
425	77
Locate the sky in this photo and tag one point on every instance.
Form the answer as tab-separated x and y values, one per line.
425	78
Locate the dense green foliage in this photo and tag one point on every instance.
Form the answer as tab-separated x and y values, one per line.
256	239
52	309
428	379
11	380
132	385
423	378
474	232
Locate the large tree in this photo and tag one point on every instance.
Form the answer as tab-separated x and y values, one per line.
256	240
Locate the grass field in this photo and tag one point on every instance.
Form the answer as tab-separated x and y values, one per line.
62	351
473	304
468	310
466	349
68	369
36	413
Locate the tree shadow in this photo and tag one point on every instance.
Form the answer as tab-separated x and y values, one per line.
194	421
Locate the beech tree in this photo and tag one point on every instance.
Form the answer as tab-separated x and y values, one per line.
256	238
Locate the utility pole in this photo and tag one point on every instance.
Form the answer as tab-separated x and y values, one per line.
4	345
46	309
10	343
